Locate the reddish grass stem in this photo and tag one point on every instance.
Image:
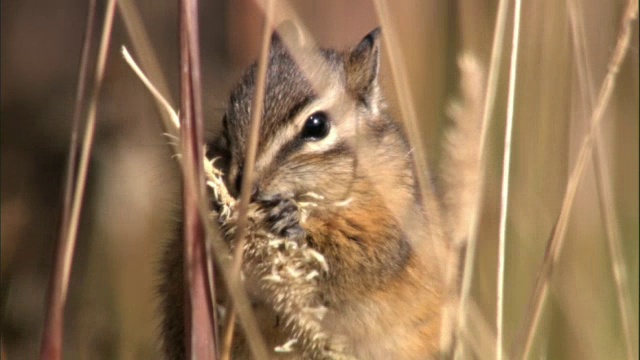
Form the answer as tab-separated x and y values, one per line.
200	322
52	337
75	181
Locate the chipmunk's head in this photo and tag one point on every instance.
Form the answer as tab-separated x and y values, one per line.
322	110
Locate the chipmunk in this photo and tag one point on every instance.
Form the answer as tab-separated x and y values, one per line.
380	235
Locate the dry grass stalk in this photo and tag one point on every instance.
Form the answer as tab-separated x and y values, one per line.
163	105
149	60
460	172
52	338
478	334
199	313
489	102
252	144
524	342
603	184
51	347
72	160
249	163
506	166
227	335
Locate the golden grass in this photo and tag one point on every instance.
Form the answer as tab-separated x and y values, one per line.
490	99
554	246
603	182
530	213
506	172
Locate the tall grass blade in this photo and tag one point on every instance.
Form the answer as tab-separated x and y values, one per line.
603	183
506	166
51	347
524	342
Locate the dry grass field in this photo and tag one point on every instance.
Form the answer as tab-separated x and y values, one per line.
133	191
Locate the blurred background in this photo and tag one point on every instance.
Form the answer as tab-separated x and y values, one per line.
132	199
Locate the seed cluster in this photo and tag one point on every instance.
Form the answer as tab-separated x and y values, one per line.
288	272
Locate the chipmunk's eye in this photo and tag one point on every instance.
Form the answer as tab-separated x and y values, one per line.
316	127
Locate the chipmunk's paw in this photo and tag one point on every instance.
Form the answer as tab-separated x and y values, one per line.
282	216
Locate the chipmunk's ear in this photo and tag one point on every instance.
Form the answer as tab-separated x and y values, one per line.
288	34
362	66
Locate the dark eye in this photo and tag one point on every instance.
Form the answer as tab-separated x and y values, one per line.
316	127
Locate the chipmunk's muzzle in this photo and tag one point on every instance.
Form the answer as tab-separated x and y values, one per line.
237	182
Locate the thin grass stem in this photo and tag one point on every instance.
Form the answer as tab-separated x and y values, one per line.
163	103
54	323
603	183
479	333
227	339
490	98
253	138
250	160
506	169
149	60
524	342
200	316
51	346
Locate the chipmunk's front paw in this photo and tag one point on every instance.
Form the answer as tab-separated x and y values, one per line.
282	216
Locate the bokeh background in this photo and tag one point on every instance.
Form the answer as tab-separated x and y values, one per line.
132	199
